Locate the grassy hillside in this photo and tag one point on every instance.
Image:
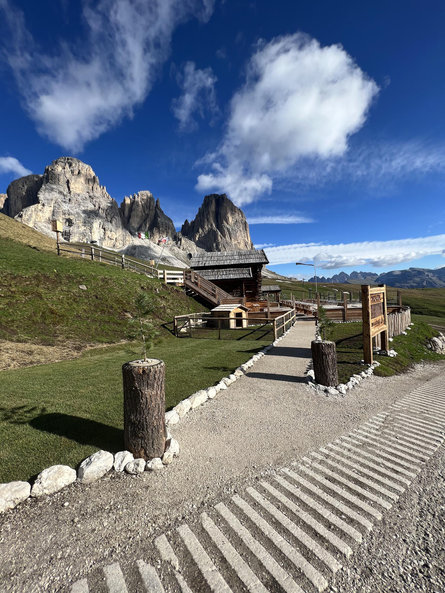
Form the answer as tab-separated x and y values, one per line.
41	302
19	232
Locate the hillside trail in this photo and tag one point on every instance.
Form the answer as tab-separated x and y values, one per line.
265	420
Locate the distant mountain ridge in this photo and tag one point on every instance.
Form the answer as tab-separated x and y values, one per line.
410	278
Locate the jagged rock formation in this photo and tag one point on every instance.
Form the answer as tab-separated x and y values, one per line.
70	191
22	193
410	278
3	198
141	213
218	226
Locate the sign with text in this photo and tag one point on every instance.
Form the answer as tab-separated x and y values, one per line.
375	320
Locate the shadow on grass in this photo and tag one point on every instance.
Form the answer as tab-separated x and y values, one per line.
81	430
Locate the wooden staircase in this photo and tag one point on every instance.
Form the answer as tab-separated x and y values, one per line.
214	295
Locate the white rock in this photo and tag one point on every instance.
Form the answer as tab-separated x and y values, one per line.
390	339
227	381
342	388
198	398
363	374
121	459
244	367
171	452
217	387
95	466
311	374
183	407
232	377
137	466
52	479
404	334
154	464
171	418
238	373
12	493
211	392
332	391
222	385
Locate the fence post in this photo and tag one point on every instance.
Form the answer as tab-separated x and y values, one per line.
175	327
83	252
92	253
219	328
345	307
123	262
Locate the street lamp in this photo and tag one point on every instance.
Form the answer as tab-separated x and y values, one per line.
315	273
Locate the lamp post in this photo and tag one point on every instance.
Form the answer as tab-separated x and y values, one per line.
315	273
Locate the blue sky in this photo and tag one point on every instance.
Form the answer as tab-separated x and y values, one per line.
323	120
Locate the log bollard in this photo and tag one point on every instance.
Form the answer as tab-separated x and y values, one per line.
324	356
144	407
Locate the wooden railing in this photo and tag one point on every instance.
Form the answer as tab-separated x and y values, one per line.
284	322
108	256
207	289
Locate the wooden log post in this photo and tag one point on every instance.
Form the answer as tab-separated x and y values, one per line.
144	408
324	356
366	320
345	306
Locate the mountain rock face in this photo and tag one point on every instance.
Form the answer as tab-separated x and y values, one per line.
69	191
411	278
22	193
3	198
141	213
218	226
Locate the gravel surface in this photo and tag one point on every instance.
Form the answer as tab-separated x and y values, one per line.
263	421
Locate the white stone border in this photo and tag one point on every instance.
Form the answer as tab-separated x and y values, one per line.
97	465
342	388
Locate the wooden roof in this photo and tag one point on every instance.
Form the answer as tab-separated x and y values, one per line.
213	259
229	307
271	288
226	273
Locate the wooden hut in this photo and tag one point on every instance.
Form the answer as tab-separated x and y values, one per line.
232	316
236	272
272	292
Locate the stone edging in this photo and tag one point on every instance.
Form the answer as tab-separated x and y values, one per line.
341	389
55	478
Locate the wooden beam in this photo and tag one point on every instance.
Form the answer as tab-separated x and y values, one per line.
366	318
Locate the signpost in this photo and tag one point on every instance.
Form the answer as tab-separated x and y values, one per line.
375	318
57	227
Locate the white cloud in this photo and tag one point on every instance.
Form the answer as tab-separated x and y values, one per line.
198	95
9	164
299	100
263	245
375	253
279	219
81	91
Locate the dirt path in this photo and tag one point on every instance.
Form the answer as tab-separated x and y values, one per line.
262	421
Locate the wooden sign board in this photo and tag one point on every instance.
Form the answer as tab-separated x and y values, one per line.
56	226
375	318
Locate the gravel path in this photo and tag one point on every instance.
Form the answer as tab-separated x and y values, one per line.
263	421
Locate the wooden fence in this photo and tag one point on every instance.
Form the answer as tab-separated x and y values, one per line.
108	256
398	321
195	325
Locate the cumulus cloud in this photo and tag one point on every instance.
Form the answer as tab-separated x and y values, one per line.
375	253
83	90
279	219
198	95
299	100
9	164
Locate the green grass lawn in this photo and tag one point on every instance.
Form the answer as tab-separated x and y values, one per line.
63	412
410	349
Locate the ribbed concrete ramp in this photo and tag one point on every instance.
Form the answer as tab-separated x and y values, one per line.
292	532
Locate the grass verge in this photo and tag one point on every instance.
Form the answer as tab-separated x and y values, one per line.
63	412
410	350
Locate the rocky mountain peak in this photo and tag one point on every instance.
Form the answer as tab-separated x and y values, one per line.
218	226
74	176
140	213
